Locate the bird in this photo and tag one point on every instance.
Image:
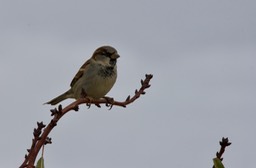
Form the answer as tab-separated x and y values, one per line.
95	78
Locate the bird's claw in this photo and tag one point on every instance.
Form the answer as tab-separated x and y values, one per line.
110	102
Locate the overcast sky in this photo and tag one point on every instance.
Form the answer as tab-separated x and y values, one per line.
202	54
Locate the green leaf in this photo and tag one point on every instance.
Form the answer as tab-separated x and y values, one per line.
40	163
217	163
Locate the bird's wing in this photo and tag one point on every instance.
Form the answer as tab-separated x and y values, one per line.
80	73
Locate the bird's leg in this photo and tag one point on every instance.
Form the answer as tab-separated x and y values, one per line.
84	96
90	99
83	93
110	102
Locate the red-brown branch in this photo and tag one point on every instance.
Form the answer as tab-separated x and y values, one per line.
41	135
223	144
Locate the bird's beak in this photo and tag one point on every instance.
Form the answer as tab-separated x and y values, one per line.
114	56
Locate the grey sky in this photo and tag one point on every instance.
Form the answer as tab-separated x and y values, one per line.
202	54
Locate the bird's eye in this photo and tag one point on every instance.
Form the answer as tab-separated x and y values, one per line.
106	53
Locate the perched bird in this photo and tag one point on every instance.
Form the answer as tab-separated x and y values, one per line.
95	78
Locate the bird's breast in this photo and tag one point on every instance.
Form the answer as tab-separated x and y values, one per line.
96	82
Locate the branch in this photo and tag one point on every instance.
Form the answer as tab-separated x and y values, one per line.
223	144
41	135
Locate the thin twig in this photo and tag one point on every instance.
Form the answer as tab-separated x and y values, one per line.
41	136
223	144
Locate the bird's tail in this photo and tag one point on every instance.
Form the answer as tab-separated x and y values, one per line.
67	94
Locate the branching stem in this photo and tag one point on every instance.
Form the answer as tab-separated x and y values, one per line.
41	132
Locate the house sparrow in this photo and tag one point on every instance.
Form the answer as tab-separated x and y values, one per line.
95	78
